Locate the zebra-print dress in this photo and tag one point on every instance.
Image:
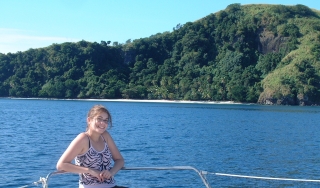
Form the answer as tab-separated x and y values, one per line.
99	160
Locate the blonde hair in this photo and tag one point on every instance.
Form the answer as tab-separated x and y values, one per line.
97	109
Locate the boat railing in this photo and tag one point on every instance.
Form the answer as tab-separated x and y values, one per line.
45	181
202	174
199	172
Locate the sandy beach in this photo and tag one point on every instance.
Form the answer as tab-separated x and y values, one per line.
140	100
160	101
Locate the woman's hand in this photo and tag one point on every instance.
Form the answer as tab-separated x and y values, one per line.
106	174
97	174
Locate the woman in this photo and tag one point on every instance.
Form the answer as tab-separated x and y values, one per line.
93	152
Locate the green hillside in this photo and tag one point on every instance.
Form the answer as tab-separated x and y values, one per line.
259	53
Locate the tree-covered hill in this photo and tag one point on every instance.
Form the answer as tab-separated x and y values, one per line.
268	54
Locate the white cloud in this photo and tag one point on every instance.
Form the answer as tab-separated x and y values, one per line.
14	40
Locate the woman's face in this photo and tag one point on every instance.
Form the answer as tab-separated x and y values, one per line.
98	123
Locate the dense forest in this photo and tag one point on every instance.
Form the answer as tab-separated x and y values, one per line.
267	54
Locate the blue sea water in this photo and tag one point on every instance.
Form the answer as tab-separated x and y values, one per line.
253	140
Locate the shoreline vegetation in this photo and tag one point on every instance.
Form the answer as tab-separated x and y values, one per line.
137	100
260	54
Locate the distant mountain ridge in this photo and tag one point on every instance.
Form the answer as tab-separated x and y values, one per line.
267	54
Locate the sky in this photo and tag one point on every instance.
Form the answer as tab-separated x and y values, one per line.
26	24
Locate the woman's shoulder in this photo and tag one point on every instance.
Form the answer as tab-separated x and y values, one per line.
81	138
81	142
82	135
106	135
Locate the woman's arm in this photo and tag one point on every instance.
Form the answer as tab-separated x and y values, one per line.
116	155
76	147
